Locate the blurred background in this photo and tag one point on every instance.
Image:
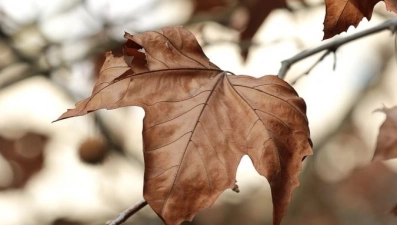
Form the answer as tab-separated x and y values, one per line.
84	171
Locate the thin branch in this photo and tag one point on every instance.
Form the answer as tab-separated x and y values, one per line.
122	217
334	66
334	45
312	67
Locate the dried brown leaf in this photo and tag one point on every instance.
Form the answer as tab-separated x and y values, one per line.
341	14
200	121
386	147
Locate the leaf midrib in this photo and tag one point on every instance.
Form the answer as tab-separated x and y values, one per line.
221	77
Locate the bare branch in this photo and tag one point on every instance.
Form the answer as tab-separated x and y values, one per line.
122	217
334	45
312	67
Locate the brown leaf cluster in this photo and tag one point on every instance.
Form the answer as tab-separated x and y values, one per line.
200	121
341	14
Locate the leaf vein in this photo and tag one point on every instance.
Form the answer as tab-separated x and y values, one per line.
178	49
180	100
172	118
161	173
272	95
157	59
150	150
216	153
289	129
205	168
190	139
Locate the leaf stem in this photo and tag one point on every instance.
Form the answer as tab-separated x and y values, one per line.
122	217
332	46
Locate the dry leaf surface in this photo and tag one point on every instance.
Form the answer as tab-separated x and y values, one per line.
386	147
200	121
341	14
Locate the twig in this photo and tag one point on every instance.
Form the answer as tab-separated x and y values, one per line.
312	67
334	45
334	66
122	217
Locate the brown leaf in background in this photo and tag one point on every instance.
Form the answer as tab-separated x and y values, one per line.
341	14
259	10
386	147
25	156
370	189
235	13
200	121
209	5
394	210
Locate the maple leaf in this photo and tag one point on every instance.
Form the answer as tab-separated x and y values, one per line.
200	121
386	147
341	14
